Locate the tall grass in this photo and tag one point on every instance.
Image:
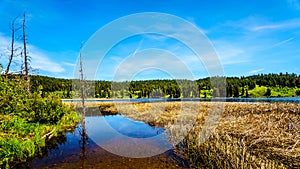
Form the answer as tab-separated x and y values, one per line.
247	135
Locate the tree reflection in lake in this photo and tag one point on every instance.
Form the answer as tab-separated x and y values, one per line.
84	140
76	150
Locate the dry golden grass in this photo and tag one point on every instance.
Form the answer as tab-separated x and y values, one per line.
244	136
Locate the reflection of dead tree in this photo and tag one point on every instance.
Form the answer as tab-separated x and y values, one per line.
12	45
83	142
84	136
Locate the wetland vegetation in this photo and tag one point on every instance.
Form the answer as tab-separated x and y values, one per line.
27	120
263	135
206	122
246	135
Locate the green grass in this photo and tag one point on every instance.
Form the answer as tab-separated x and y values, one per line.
283	92
20	139
259	91
27	120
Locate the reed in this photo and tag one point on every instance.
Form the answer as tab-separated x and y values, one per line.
263	135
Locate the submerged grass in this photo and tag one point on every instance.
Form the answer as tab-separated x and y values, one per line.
264	135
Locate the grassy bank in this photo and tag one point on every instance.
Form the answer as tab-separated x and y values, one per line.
247	135
21	140
27	120
260	91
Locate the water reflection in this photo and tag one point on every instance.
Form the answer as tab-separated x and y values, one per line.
77	150
126	137
148	100
84	140
53	149
130	127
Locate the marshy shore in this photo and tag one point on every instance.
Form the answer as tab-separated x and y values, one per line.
224	135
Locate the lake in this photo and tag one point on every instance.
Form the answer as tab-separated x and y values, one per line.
103	148
145	100
72	151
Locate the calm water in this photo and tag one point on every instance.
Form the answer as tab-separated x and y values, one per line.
73	151
271	99
103	148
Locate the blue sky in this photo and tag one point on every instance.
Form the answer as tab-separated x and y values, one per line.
250	37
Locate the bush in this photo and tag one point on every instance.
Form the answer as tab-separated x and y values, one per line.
268	92
15	100
44	110
298	92
26	119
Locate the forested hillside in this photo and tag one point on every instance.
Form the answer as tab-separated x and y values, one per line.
261	85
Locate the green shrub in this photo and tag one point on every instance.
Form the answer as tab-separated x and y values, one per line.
298	92
15	100
268	92
26	119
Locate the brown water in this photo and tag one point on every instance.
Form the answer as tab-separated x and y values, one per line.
73	151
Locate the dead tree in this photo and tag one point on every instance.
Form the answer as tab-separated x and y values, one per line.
84	136
1	68
82	82
26	57
12	45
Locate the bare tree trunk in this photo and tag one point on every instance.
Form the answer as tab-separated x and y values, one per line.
26	59
84	136
82	89
82	85
12	47
1	68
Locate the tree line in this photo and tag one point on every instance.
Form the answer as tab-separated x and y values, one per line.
230	87
234	86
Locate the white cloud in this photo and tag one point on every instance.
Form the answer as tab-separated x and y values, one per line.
4	44
288	24
117	59
282	42
152	59
230	54
39	59
170	27
255	71
254	24
69	64
156	37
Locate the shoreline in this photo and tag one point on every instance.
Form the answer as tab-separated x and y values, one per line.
153	100
248	135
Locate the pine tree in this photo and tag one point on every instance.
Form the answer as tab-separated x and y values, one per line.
268	92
